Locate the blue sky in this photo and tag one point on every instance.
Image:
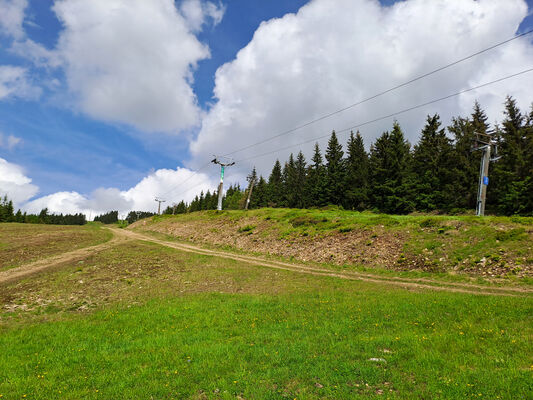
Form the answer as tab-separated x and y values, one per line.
65	150
64	147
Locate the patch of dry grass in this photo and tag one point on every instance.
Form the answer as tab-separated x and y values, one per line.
24	243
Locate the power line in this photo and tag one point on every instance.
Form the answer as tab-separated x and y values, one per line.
380	94
195	172
367	122
392	114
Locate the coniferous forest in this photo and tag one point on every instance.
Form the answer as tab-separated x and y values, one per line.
439	173
7	214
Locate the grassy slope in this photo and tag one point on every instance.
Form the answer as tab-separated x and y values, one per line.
164	324
490	246
23	243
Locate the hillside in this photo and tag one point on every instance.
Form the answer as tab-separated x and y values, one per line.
145	315
492	246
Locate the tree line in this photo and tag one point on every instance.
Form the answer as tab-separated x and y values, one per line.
7	214
439	173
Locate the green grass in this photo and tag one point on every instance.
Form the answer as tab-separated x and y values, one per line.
166	324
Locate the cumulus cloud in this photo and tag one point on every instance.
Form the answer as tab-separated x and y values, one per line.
12	17
334	53
198	12
139	197
14	183
14	82
131	61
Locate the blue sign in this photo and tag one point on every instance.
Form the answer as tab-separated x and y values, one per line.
485	180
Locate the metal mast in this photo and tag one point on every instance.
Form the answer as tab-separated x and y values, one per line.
484	142
227	162
159	206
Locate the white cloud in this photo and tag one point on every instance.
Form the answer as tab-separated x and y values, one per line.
36	53
14	183
197	12
140	197
12	17
14	82
9	142
334	53
131	61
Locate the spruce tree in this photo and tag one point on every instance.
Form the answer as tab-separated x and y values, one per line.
316	180
356	184
510	174
301	200
466	170
389	166
289	183
259	194
335	171
275	186
432	168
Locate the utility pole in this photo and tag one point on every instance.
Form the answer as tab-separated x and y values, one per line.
249	194
484	143
228	163
159	206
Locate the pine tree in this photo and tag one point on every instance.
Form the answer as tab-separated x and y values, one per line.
432	168
275	186
19	217
300	183
289	183
335	171
356	185
466	170
389	166
316	180
511	172
259	194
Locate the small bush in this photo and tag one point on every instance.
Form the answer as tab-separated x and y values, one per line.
429	222
306	220
246	228
346	229
513	234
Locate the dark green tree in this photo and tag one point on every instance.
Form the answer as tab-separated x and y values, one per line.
512	173
335	171
466	170
316	180
275	186
356	184
289	183
389	166
432	168
260	194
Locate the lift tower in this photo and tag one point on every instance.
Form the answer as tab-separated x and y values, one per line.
223	162
485	143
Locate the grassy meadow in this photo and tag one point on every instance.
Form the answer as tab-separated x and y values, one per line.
148	322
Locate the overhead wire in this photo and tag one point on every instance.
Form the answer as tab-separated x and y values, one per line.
323	117
391	115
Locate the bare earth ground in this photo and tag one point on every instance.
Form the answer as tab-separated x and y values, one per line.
55	261
122	236
378	246
24	243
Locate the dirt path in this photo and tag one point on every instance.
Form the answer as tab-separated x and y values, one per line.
51	262
402	282
122	235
